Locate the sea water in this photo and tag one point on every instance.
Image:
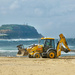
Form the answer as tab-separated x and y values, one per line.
8	47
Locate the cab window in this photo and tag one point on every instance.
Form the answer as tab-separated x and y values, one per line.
49	43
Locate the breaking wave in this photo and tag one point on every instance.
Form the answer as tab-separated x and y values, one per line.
2	51
18	39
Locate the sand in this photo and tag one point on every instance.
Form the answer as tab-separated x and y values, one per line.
39	66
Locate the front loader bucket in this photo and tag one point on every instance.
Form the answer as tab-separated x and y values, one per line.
21	51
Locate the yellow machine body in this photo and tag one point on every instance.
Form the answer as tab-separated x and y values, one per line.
47	49
59	45
34	49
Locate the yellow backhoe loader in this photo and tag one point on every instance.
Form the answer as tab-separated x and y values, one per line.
45	48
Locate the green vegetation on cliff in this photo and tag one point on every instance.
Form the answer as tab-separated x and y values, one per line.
10	31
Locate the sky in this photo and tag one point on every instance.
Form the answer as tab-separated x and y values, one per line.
49	17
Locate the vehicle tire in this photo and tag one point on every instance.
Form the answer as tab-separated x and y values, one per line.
37	55
29	56
51	54
44	55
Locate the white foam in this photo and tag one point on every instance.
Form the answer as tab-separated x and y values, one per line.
71	46
18	39
8	51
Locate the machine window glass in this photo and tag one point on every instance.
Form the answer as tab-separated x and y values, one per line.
42	42
50	43
53	43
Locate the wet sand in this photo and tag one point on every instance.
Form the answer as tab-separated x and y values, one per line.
37	66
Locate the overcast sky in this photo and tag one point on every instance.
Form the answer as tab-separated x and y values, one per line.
49	17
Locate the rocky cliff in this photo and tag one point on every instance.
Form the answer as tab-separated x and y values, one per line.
10	31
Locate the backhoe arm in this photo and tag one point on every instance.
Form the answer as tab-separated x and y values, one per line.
60	47
63	40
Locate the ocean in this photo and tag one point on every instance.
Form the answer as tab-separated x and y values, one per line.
8	47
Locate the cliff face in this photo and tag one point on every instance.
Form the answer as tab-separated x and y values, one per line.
18	31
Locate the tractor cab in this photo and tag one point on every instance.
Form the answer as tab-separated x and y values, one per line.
47	43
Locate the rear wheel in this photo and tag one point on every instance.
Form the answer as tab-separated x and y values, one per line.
51	54
37	55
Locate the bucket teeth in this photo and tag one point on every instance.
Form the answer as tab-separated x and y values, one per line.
22	51
64	49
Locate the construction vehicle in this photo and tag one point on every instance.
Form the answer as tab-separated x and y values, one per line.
45	48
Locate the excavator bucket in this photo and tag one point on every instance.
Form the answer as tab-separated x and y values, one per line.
22	51
65	50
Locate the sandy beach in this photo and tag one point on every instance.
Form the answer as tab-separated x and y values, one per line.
39	66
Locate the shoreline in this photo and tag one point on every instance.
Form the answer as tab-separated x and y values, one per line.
69	56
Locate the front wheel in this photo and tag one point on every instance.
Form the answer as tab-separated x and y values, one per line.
37	55
51	54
